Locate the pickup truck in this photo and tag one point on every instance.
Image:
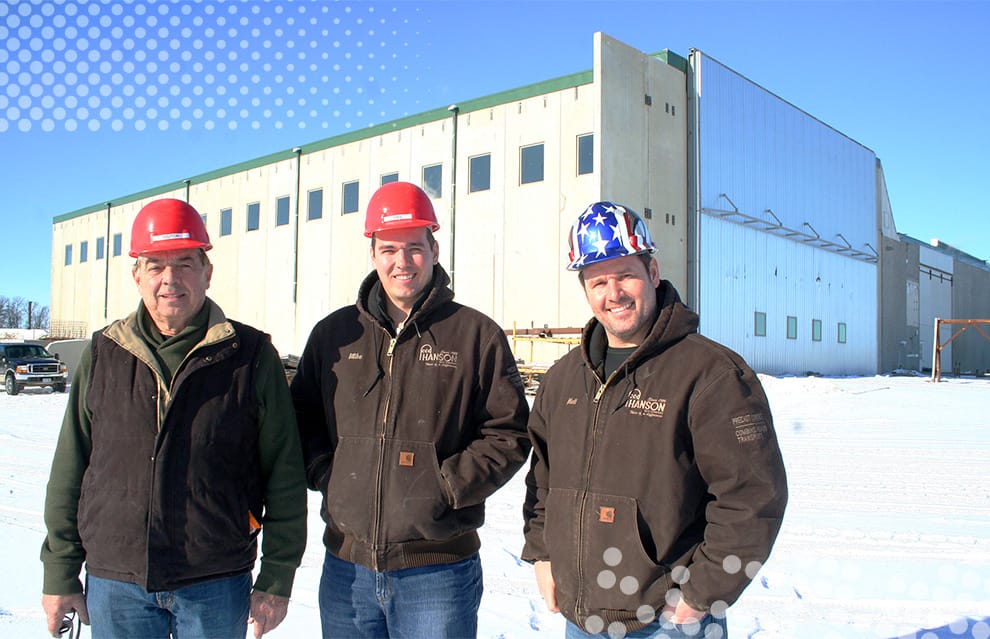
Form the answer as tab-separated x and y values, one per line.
25	364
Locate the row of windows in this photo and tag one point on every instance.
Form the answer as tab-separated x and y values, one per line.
531	169
760	328
100	249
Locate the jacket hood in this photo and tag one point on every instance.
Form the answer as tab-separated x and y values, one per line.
436	294
674	321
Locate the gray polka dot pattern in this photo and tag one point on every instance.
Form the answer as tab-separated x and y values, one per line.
118	65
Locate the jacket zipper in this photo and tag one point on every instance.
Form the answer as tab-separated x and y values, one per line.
162	402
584	497
160	417
376	564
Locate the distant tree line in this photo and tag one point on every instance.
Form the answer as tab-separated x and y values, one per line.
17	312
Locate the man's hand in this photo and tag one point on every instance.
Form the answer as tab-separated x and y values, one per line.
544	580
267	611
681	614
57	606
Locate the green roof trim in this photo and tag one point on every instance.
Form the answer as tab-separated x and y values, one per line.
467	106
678	62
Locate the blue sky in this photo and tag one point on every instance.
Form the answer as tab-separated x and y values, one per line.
102	99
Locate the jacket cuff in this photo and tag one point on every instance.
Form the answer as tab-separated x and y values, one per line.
61	579
692	601
275	579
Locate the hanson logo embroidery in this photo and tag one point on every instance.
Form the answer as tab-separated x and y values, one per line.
647	407
447	359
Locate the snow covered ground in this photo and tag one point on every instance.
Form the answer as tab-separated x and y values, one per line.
887	534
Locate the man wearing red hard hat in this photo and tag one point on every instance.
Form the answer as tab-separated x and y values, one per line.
178	446
412	413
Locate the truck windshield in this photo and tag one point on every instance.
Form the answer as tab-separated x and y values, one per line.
26	350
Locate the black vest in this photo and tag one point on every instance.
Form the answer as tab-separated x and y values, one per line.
171	507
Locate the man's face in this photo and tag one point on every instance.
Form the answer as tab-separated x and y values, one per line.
173	287
404	260
622	294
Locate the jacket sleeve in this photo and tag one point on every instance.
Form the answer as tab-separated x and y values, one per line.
738	456
62	553
499	411
307	399
283	530
537	484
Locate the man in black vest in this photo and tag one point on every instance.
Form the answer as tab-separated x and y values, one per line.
178	446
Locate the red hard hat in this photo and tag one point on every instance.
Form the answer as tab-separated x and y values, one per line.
168	225
399	205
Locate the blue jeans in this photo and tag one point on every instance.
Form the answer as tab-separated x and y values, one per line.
710	627
213	609
440	602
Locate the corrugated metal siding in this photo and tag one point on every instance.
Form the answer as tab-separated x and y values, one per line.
764	153
765	167
745	271
935	288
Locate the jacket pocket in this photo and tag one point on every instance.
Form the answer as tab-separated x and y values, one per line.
618	574
560	537
415	502
350	493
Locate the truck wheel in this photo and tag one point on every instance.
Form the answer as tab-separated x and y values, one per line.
59	388
11	385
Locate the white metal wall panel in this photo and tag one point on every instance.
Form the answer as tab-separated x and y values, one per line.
788	225
746	271
935	292
760	154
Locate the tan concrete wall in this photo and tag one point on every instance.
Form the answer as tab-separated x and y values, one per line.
644	146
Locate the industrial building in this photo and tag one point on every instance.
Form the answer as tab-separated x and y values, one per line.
774	226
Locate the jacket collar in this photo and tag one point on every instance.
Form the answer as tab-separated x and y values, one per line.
371	303
127	333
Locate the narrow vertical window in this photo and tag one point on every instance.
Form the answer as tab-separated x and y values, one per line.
531	164
760	324
282	211
816	330
350	204
226	221
585	154
117	244
388	178
253	216
842	333
101	248
314	204
68	254
791	327
83	251
481	173
433	180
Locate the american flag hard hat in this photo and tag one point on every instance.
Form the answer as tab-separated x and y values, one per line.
606	231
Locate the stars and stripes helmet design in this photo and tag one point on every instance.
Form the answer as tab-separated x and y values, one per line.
606	231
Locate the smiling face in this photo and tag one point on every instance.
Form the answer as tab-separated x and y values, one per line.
173	286
404	260
622	294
